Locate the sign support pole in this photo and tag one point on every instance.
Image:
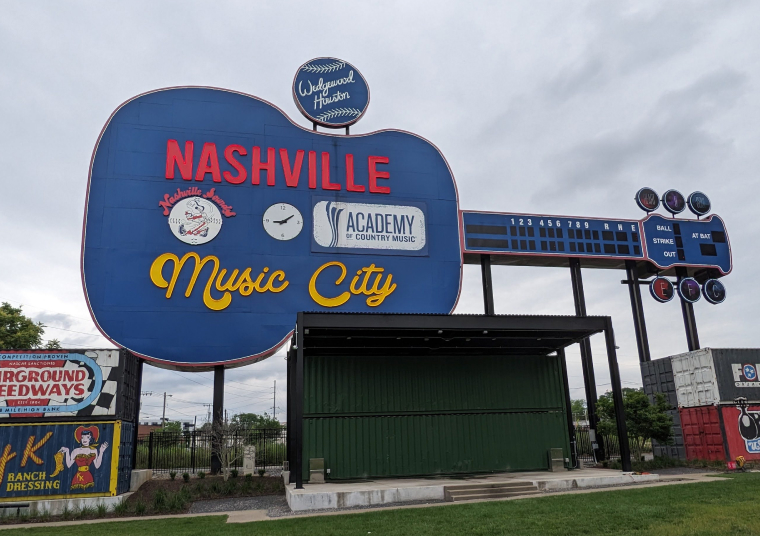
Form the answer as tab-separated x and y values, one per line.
637	308
568	403
587	361
485	274
617	396
217	419
138	395
689	320
297	463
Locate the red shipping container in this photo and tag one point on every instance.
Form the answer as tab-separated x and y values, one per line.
742	431
702	434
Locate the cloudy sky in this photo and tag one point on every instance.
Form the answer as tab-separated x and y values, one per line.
549	108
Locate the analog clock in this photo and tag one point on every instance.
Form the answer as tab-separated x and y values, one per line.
282	221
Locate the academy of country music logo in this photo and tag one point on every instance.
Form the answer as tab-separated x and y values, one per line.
195	218
370	226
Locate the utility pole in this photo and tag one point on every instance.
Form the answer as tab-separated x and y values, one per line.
274	401
163	416
143	393
208	413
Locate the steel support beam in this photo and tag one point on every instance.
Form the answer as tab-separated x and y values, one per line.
689	320
587	361
568	403
217	420
290	446
637	308
138	397
485	275
298	404
617	396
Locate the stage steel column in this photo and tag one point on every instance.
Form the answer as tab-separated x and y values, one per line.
485	274
569	404
289	416
298	404
217	420
587	361
138	396
617	396
637	308
689	320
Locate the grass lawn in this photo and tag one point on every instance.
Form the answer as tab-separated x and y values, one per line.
714	508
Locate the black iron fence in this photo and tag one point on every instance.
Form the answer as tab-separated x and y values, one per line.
191	451
585	451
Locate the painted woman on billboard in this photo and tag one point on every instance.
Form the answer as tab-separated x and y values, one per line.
84	456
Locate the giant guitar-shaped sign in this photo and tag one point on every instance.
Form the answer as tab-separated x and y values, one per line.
212	219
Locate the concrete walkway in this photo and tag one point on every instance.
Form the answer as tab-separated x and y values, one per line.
248	516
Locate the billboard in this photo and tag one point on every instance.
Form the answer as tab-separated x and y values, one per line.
58	460
212	219
742	426
63	383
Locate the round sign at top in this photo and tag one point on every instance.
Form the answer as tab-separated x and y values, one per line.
330	92
661	289
714	291
647	200
673	201
699	203
688	289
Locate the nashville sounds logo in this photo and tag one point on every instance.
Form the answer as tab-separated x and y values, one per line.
195	218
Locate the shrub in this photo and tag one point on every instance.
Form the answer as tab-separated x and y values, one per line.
86	511
160	500
66	514
234	473
178	501
186	477
216	488
102	509
261	472
121	508
172	474
229	488
200	488
140	508
45	515
249	477
201	475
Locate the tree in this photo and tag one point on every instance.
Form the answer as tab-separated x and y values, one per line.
643	420
254	420
173	427
228	444
18	332
53	344
578	408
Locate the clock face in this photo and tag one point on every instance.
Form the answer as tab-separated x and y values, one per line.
282	221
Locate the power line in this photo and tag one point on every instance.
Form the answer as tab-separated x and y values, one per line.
73	331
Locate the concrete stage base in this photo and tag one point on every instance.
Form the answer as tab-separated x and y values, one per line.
399	490
55	507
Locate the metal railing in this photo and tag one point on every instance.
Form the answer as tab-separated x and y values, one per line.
584	450
191	451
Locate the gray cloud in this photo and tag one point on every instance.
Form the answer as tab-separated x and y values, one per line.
673	141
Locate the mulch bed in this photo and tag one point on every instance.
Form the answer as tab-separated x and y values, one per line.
211	487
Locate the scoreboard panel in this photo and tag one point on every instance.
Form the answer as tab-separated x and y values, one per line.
671	242
543	240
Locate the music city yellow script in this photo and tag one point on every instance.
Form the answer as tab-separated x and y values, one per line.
362	284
